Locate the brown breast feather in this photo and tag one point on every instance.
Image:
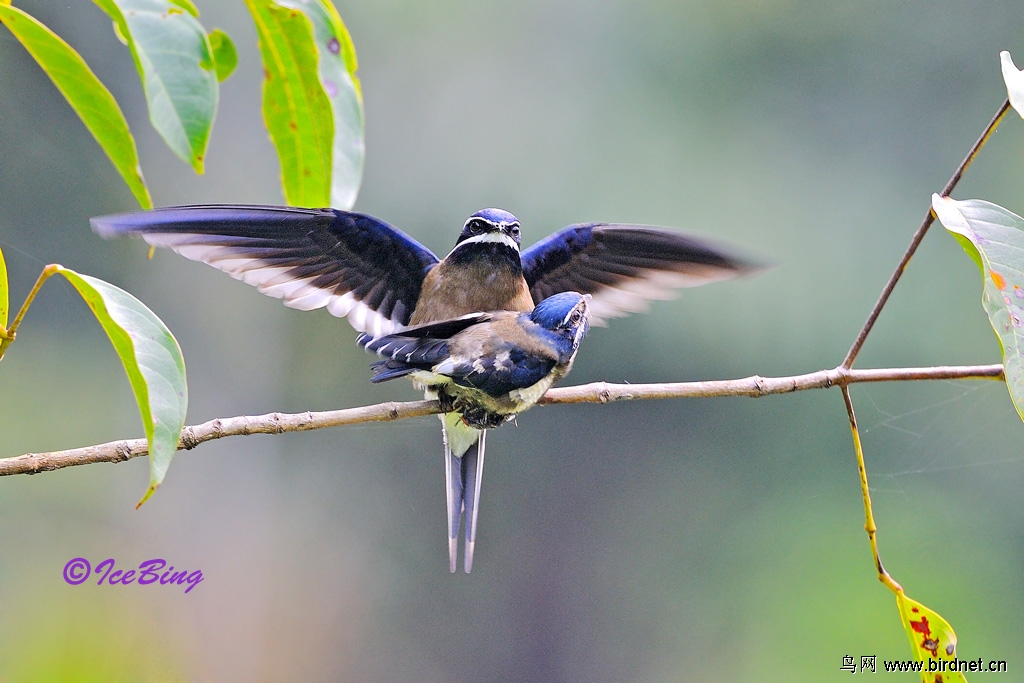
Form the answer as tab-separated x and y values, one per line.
443	297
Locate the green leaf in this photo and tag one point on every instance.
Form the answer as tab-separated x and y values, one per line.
931	638
84	92
296	108
994	238
4	299
187	6
175	62
1014	79
337	70
224	54
151	357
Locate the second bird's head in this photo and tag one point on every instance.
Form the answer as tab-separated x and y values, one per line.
567	315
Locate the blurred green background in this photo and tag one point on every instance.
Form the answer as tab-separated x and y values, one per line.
690	540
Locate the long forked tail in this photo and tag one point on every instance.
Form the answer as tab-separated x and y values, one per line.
453	494
463	469
472	477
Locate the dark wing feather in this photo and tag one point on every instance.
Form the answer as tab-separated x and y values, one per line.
415	348
495	377
385	370
405	355
443	329
355	265
624	266
499	357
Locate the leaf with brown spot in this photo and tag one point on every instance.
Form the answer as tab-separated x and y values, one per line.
931	638
296	108
337	69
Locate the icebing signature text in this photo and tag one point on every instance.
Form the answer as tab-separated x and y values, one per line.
155	571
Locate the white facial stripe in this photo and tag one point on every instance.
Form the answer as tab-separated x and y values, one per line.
496	237
581	307
499	224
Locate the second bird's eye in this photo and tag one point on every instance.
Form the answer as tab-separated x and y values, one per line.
514	232
576	317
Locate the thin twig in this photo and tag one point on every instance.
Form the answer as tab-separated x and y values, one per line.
11	332
929	218
869	517
598	392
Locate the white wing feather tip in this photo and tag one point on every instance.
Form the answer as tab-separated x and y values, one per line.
276	281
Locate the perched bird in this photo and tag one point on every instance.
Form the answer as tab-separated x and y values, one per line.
383	281
484	369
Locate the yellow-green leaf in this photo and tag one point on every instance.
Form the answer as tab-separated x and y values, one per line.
225	56
296	107
84	92
994	238
932	640
187	6
175	62
151	358
337	69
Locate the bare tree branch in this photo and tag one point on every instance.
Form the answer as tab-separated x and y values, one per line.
598	392
915	241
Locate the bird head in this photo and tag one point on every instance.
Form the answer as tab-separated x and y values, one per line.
491	225
567	315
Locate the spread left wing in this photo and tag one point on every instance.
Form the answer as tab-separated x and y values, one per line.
624	266
355	265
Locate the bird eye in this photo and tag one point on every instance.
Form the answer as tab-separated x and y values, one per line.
514	231
476	227
576	317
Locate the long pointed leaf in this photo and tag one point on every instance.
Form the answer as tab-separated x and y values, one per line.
994	238
176	64
337	70
84	92
296	108
151	357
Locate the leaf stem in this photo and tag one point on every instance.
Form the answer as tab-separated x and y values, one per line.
11	332
869	518
915	241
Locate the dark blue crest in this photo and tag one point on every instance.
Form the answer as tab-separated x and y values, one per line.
496	216
554	311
